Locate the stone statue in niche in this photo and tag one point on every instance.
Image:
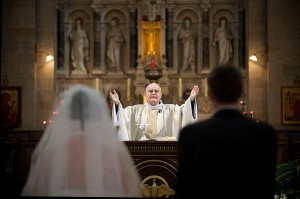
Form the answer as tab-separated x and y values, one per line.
187	37
115	41
223	38
79	48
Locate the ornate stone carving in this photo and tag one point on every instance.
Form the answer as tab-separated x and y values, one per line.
96	5
155	190
206	5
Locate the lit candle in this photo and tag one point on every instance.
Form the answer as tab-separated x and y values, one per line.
128	88
97	84
242	105
180	87
252	114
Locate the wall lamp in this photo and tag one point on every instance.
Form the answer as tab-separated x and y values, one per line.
43	57
39	55
253	57
259	54
49	58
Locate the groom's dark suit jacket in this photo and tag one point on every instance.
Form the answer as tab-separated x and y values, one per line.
227	156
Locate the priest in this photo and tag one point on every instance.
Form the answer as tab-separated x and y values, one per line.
162	121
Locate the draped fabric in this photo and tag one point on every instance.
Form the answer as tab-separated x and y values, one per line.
79	154
152	121
170	119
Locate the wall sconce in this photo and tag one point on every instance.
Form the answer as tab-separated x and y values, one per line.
260	54
49	58
39	55
253	57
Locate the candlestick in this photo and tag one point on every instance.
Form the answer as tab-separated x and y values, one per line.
128	88
144	99
205	88
97	84
251	114
242	105
180	87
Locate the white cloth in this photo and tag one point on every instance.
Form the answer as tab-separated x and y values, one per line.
170	119
79	153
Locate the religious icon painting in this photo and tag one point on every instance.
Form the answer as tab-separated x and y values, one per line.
290	103
10	107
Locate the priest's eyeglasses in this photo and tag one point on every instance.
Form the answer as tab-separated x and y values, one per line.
155	91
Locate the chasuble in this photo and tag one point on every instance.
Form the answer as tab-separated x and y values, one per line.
165	121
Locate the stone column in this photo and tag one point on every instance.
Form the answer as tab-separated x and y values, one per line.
60	39
102	46
169	37
97	41
96	5
242	37
133	39
162	13
176	28
205	28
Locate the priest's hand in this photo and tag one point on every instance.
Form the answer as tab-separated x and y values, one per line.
194	92
114	97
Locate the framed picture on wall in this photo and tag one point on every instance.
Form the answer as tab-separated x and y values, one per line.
11	101
290	103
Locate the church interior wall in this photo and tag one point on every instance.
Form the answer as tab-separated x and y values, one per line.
33	29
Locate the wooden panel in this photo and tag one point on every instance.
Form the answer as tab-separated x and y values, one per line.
156	161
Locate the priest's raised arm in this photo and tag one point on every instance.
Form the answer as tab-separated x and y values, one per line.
164	120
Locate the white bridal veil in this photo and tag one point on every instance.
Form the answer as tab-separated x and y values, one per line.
79	153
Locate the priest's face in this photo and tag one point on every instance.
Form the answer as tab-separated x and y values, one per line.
153	94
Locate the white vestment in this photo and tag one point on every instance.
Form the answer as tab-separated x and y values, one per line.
170	119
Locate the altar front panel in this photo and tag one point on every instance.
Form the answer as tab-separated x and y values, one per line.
156	162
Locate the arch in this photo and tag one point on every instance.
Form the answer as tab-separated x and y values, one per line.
219	11
76	12
119	11
190	11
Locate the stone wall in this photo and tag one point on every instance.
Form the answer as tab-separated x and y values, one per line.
29	33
